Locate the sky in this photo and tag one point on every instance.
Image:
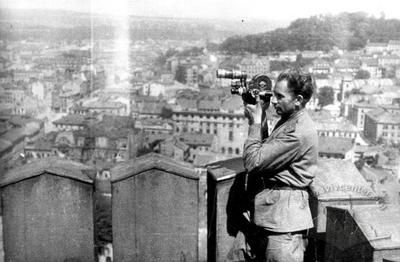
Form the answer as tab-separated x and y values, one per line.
227	9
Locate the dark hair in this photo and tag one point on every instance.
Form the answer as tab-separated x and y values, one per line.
298	82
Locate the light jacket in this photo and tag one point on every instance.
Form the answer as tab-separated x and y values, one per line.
286	157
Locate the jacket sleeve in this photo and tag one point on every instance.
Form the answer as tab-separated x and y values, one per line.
270	154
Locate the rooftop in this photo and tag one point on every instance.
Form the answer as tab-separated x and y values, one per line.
383	117
72	120
194	139
338	145
208	105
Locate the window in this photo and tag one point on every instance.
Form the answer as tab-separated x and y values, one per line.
237	151
215	132
223	150
230	150
230	135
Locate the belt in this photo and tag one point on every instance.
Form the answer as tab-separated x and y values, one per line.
285	188
300	232
280	186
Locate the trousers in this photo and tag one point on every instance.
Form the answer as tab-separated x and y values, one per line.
285	247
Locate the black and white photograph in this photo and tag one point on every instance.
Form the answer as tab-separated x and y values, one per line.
188	130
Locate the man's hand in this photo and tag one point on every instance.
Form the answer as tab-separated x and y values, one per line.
253	112
256	113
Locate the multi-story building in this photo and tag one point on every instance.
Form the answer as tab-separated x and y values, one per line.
71	122
347	66
393	45
383	126
389	60
223	119
107	107
14	99
6	77
255	65
174	148
356	113
375	47
26	75
198	143
311	54
340	128
146	106
372	66
321	66
155	125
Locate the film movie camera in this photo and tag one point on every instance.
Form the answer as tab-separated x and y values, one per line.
258	85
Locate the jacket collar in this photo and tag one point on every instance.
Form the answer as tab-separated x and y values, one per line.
291	118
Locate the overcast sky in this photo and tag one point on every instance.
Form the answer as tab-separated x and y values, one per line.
230	9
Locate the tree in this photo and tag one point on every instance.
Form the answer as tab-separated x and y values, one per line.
359	163
325	96
362	74
166	112
180	74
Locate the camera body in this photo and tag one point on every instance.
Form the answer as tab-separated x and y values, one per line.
257	86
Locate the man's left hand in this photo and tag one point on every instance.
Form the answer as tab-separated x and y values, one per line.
253	112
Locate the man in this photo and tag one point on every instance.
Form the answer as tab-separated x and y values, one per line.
281	165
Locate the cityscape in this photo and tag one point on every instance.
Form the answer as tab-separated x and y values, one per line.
102	97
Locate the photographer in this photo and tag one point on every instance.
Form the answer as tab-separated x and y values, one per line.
280	166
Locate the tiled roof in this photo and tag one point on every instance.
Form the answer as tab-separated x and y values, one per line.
383	117
232	103
194	139
153	121
14	135
22	120
108	104
150	138
208	105
394	42
376	44
71	119
118	121
187	104
153	107
344	126
339	145
43	143
100	130
366	105
177	143
4	145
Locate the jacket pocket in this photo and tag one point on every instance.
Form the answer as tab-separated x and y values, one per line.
265	207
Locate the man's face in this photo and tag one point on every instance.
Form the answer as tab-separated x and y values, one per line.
283	99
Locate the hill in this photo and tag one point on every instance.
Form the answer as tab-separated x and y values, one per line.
349	31
69	25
